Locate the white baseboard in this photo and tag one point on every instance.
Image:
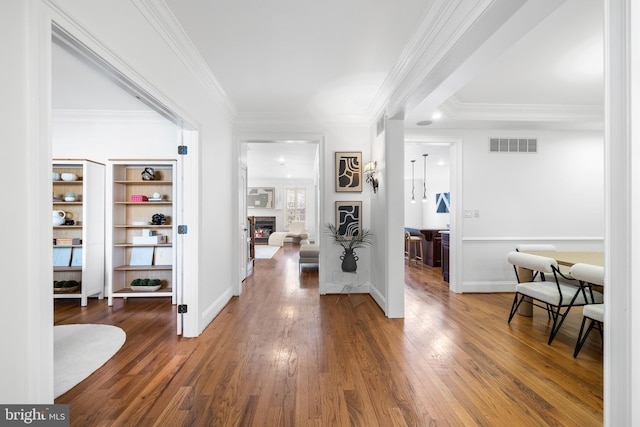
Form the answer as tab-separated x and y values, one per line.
488	287
214	309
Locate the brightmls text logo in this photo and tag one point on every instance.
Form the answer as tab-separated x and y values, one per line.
37	415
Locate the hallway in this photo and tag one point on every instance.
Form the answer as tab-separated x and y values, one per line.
283	355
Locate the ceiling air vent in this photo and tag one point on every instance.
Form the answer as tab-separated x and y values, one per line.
513	145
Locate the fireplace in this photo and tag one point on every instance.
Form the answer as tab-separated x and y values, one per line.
264	226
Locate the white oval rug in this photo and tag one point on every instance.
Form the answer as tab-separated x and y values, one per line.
78	350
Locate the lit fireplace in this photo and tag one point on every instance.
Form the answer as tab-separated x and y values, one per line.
264	226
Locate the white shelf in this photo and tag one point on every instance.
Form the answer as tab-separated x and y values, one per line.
88	215
125	180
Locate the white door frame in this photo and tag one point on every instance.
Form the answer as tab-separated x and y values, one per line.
187	165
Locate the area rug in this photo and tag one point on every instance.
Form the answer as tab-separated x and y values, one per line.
265	251
79	350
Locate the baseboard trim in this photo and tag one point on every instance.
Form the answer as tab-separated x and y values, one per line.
214	309
488	287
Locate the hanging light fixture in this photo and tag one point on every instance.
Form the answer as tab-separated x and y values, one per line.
424	180
413	184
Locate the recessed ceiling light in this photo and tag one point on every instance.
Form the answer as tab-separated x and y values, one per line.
424	123
436	115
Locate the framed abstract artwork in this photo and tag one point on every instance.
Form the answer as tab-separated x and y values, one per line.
348	171
260	197
348	218
442	202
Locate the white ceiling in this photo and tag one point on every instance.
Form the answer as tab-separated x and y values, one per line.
333	60
281	160
286	56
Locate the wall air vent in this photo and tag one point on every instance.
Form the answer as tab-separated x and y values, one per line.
513	145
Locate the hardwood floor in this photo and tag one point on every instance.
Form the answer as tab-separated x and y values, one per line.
282	355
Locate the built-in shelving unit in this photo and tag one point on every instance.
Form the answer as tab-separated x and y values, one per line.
83	261
130	218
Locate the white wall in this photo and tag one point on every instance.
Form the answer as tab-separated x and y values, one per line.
555	195
26	367
104	135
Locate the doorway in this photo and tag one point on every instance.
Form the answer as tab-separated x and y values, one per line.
99	114
276	169
429	188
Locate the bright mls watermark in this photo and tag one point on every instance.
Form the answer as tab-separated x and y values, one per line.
37	415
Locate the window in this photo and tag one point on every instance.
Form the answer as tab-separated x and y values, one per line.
296	204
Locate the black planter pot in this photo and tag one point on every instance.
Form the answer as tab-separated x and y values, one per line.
349	259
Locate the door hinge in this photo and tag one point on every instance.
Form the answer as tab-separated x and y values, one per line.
182	229
182	308
183	150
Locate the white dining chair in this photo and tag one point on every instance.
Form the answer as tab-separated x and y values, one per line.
545	247
589	275
548	293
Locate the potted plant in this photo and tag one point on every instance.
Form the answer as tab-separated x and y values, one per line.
349	242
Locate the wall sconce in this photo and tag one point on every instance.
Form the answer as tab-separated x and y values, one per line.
370	174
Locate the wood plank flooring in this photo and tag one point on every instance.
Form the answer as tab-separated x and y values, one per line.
282	355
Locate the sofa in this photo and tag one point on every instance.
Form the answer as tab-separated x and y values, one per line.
297	232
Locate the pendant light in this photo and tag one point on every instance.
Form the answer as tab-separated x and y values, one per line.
413	184
424	180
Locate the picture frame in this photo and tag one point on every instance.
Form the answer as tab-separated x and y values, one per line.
61	257
141	256
349	217
261	197
442	202
348	171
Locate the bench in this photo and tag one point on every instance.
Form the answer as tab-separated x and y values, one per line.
309	254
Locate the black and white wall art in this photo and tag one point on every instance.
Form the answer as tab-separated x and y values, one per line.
348	171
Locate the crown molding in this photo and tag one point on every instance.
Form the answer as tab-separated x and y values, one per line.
297	120
70	31
167	26
456	110
106	116
441	27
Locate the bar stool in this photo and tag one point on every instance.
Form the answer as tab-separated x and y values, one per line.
412	246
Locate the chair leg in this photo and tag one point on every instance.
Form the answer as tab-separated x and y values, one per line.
514	306
556	325
583	338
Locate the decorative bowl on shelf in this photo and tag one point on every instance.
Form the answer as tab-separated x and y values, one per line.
65	286
145	285
69	177
55	176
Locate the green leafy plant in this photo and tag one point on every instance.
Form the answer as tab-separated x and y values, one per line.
350	241
65	284
145	282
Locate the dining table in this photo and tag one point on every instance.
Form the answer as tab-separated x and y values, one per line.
569	258
563	258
